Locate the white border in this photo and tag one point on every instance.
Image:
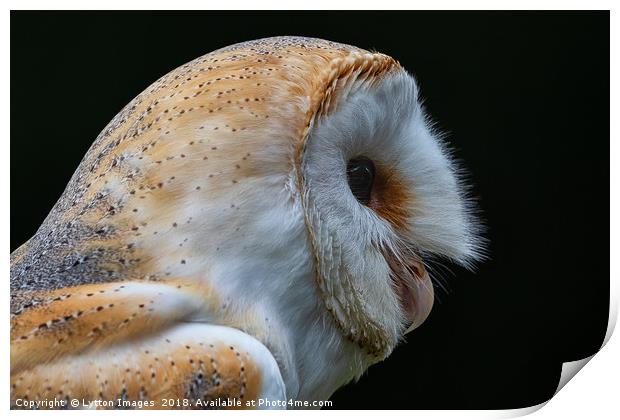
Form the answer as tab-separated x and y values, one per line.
593	394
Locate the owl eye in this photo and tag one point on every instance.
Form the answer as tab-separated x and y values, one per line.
361	176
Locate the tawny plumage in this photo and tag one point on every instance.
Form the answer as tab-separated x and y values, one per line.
208	245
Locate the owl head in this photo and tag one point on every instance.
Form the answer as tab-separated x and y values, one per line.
381	196
297	181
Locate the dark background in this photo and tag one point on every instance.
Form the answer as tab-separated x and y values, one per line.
524	98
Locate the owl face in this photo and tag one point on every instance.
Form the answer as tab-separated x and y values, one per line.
380	194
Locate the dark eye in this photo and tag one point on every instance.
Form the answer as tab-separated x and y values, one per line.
361	175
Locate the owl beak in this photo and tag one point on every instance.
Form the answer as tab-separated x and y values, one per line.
413	286
419	296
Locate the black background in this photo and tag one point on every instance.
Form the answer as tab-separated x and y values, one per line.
524	98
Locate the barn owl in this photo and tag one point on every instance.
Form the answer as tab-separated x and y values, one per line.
254	227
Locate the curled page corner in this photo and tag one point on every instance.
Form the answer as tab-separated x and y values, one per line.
569	370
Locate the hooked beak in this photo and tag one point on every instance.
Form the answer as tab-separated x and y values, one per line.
415	290
419	301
